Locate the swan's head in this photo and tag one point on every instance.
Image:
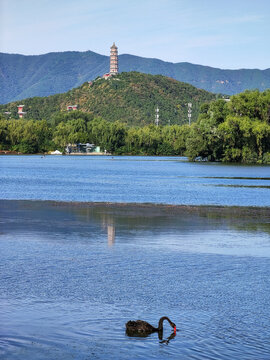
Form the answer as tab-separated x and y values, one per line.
174	327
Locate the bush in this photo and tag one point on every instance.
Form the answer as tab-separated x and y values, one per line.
266	158
249	156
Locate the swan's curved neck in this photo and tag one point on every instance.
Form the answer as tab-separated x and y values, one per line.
160	323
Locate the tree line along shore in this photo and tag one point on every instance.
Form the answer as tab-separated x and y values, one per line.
229	131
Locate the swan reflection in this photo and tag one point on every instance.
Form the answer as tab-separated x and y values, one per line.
160	336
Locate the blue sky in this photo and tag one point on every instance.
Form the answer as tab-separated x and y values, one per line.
228	34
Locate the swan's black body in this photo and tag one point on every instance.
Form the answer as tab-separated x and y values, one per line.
143	328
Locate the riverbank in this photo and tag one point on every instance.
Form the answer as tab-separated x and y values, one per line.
6	152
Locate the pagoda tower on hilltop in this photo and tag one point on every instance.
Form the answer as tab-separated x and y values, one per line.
114	60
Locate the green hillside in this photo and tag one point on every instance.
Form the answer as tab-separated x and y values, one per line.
128	97
229	131
43	75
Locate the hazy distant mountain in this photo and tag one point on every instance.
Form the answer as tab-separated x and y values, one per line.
42	75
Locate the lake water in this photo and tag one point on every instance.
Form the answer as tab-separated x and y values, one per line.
72	274
165	180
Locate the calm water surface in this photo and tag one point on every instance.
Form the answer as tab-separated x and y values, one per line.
71	276
133	179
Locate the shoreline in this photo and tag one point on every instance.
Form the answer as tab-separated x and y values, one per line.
154	208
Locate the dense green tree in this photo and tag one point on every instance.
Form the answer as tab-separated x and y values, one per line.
28	136
203	139
62	116
73	132
261	130
217	111
181	133
133	141
4	134
237	131
254	104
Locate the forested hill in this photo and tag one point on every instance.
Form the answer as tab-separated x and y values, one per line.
42	75
128	97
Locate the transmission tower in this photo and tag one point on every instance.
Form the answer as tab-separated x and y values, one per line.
189	112
157	116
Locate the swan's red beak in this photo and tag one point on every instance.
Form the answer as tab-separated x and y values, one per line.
174	329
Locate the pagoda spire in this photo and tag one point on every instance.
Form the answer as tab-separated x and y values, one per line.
114	60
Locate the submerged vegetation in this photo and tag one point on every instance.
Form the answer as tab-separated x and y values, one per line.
229	131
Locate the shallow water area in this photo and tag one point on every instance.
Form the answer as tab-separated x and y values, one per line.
73	274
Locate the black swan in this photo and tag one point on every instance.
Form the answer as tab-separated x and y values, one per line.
143	328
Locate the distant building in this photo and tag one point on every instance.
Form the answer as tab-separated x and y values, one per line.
72	107
21	113
82	148
114	60
106	76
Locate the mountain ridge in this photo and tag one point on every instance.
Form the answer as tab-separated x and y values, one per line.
23	76
132	55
